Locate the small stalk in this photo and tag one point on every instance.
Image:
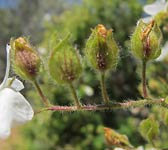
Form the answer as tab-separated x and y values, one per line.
113	106
103	88
44	99
77	102
144	85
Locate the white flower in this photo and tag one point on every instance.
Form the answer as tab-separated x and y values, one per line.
156	7
164	52
14	109
153	9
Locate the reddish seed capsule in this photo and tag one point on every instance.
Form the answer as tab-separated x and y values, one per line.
26	61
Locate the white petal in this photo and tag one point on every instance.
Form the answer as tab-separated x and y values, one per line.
16	84
8	47
7	67
22	110
5	115
19	110
164	52
154	8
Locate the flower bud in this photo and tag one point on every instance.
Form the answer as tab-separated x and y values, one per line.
26	62
145	41
64	62
101	49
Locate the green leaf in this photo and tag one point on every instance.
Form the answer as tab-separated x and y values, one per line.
149	129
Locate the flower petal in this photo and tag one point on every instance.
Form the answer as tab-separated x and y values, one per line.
22	110
3	84
154	8
19	110
164	52
5	115
16	84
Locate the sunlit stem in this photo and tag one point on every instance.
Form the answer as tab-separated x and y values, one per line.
144	85
103	88
77	102
44	99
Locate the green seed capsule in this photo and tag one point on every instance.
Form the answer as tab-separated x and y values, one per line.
64	63
101	49
145	41
26	62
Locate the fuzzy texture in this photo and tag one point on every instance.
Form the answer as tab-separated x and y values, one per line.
26	62
64	63
145	41
101	49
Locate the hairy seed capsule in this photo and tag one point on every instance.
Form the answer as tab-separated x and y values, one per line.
64	63
26	62
145	41
101	49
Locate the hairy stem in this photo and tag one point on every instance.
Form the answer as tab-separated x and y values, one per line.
112	106
77	102
44	99
103	88
144	85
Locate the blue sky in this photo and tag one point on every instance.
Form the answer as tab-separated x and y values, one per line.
13	3
8	3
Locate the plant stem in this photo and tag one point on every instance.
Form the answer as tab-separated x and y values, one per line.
144	85
112	106
77	102
103	88
44	99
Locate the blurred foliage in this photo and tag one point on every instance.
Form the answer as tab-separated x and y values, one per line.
25	20
149	129
83	130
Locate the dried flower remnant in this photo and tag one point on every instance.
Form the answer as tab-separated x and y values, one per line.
114	138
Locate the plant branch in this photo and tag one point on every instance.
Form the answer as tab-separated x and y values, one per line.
111	106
